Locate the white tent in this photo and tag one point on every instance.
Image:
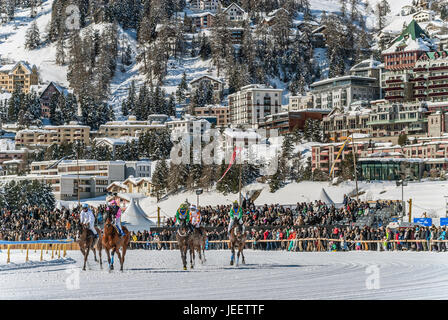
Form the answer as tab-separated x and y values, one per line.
134	218
324	197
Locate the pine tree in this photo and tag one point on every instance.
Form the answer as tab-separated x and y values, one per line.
159	179
60	52
32	37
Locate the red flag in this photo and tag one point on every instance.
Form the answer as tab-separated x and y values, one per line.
232	160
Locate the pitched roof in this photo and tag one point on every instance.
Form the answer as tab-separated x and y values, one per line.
413	38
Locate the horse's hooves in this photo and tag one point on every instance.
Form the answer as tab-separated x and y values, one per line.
231	263
185	268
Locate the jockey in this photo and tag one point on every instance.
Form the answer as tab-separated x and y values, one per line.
116	213
88	218
183	216
195	217
235	212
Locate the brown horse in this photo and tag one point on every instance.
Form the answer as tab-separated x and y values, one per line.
88	241
237	240
184	242
113	242
197	243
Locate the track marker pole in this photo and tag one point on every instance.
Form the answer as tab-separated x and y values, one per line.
27	249
42	253
59	251
65	250
8	260
52	252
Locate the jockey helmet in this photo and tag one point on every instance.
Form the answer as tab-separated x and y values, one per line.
193	207
235	204
85	206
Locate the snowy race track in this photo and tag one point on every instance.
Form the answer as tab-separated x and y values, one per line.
267	275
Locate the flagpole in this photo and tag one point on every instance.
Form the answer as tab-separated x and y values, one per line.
241	173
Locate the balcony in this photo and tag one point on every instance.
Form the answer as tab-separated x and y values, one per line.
438	77
420	69
435	86
394	97
393	88
418	79
436	94
394	81
438	68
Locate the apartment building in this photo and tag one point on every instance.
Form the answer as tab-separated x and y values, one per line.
430	77
339	124
342	91
289	121
48	135
206	5
400	59
393	119
297	103
188	125
130	128
202	20
18	75
252	103
221	113
46	95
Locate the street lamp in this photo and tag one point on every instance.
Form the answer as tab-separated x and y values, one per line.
402	183
198	193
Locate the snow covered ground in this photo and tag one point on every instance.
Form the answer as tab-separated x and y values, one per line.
267	275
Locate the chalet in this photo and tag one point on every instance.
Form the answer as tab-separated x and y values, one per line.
19	75
53	89
235	13
217	85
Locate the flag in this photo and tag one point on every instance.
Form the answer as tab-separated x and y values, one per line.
232	161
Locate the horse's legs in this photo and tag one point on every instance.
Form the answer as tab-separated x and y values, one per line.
183	253
242	255
85	258
123	253
192	257
120	258
233	254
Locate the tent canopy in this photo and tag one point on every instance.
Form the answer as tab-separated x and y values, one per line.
134	218
324	197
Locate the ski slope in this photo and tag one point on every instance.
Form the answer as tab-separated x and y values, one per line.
267	275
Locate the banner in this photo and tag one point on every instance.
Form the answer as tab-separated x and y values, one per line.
443	221
425	222
232	160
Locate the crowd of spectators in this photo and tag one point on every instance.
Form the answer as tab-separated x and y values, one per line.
301	226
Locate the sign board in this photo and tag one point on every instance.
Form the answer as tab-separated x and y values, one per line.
443	221
425	222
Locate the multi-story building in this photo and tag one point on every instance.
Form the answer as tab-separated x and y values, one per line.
286	121
339	124
19	75
202	20
400	59
45	97
129	128
188	125
343	91
49	135
6	155
393	119
216	84
206	5
235	13
297	103
252	103
430	77
220	112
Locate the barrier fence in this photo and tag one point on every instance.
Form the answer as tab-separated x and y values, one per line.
56	246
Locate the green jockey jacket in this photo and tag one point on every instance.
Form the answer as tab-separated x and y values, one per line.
180	217
232	213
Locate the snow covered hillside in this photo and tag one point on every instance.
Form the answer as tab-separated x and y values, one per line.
267	275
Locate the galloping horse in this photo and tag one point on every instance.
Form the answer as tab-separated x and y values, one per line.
87	241
197	243
237	239
184	240
112	241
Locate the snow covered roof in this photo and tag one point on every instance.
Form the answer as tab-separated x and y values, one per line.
233	4
206	76
11	67
367	64
349	77
413	38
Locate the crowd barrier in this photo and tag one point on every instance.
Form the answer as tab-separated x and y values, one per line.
56	246
43	245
